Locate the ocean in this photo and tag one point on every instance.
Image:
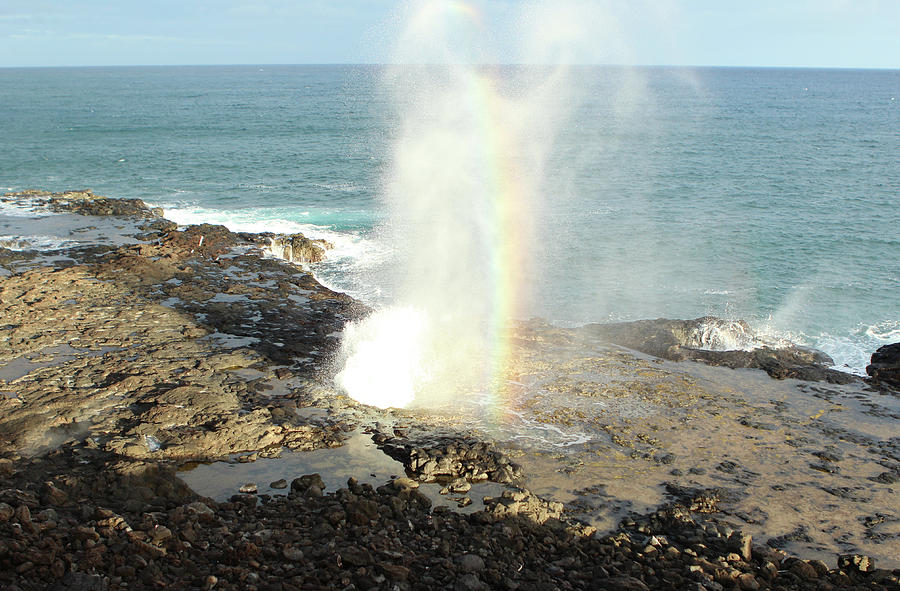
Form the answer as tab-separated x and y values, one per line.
769	195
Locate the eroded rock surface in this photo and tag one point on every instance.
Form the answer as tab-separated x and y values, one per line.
445	459
885	366
122	358
134	527
720	342
159	349
298	248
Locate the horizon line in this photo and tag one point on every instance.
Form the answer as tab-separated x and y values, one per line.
507	64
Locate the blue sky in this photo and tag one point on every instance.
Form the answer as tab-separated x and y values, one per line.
815	33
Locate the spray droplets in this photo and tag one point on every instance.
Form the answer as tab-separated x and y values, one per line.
462	192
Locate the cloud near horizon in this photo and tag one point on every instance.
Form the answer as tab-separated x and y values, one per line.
835	33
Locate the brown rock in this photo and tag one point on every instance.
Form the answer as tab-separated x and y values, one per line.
856	562
804	570
395	572
53	496
742	544
292	553
356	556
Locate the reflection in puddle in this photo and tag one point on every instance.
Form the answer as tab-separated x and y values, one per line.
358	458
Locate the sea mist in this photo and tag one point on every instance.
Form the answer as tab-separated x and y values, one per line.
462	192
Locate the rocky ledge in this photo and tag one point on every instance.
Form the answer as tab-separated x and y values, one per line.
127	355
726	343
134	527
885	366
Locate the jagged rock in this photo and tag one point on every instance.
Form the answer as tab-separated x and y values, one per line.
719	342
297	248
449	459
292	553
308	485
856	562
802	569
742	544
74	581
154	389
885	365
471	563
206	240
87	203
522	503
622	583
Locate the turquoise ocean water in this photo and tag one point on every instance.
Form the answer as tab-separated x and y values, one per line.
771	195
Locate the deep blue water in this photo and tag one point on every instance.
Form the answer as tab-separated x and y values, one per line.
764	194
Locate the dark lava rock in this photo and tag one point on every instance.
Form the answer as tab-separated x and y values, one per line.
625	583
365	538
719	342
86	203
74	581
799	534
310	484
440	459
889	477
885	365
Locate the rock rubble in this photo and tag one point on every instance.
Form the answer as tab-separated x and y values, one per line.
124	360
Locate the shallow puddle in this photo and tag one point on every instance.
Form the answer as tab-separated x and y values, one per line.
606	432
800	459
49	357
358	458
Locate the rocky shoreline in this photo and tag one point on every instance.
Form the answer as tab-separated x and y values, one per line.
136	347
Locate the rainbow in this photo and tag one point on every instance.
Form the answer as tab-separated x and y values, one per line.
499	155
435	344
510	208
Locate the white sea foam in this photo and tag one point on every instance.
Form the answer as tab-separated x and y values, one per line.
724	335
887	331
545	434
23	209
35	242
258	220
352	266
853	352
341	187
466	174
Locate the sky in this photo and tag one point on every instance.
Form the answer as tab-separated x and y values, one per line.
791	33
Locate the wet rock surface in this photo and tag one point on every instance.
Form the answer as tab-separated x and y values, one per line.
147	347
123	360
885	366
103	535
85	202
721	343
431	459
297	248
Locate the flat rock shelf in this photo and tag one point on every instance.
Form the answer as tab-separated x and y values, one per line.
169	420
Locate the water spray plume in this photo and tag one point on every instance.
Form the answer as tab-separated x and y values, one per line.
462	192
